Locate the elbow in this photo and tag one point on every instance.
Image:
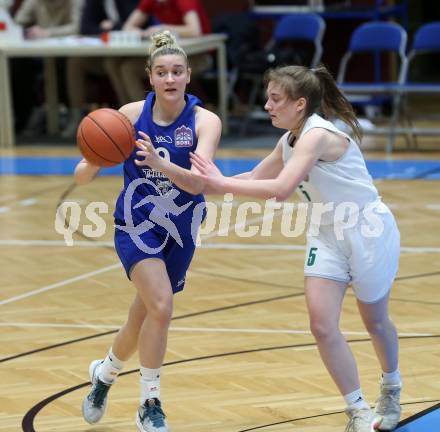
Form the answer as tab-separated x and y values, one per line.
80	180
83	175
281	195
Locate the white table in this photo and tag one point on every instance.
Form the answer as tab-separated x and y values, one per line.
77	47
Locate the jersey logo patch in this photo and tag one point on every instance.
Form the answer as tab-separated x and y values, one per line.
159	139
183	137
164	186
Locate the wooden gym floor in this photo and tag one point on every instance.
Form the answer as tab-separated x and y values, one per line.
240	356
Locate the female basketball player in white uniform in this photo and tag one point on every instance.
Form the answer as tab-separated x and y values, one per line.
327	167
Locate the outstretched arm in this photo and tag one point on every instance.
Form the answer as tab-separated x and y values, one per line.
268	168
208	129
85	172
307	151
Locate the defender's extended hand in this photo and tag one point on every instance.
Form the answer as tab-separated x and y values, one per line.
208	171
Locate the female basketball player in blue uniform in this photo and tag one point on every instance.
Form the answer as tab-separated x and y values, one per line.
157	216
327	167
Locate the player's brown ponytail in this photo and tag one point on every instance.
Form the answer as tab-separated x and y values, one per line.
319	89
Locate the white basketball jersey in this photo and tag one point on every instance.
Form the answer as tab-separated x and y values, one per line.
345	180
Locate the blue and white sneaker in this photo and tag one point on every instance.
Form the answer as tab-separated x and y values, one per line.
151	418
94	404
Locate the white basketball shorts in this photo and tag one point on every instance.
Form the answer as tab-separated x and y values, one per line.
364	254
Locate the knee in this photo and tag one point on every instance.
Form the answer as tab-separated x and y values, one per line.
136	317
161	310
376	327
323	330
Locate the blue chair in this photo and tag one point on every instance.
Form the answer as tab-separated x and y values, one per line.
426	39
307	27
426	42
290	28
376	37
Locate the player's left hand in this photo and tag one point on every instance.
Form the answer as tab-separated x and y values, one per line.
208	171
147	152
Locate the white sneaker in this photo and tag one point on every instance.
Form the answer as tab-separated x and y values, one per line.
362	420
151	418
94	404
388	406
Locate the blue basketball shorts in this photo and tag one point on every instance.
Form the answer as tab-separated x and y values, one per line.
153	244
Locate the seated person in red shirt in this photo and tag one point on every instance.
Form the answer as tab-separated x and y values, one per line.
185	18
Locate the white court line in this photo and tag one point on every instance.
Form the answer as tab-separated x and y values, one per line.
222	233
409	249
59	284
208	236
253	246
196	329
27	202
404	249
433	206
55	243
103	270
237	246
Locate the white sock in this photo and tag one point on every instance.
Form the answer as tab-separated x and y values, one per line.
355	400
150	384
391	378
110	368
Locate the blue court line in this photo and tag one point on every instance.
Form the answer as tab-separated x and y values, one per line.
424	421
379	169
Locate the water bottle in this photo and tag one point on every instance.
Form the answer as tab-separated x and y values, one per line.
9	30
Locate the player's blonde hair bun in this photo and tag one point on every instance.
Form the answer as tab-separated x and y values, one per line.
163	43
162	38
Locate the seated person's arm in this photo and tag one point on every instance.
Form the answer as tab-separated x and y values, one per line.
93	14
191	27
25	15
135	21
72	26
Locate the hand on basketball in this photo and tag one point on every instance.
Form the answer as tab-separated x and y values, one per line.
207	170
147	152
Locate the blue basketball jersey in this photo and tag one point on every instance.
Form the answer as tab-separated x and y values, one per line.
147	192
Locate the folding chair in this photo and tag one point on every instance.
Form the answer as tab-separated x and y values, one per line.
291	28
242	38
426	41
376	37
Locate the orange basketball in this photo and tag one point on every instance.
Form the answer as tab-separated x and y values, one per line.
105	137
